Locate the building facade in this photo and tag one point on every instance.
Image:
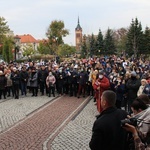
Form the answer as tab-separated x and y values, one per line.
22	42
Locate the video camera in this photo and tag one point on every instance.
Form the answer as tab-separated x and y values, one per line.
136	119
131	121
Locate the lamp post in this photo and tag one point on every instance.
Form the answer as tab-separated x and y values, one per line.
15	52
34	50
34	45
99	51
17	43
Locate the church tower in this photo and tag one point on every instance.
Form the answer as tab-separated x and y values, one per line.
78	34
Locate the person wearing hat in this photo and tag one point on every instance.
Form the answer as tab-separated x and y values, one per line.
101	84
3	83
132	86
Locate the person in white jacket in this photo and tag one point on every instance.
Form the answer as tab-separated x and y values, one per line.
141	88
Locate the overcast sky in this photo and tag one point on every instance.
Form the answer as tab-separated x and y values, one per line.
34	16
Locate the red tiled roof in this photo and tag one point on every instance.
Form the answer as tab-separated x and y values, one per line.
27	38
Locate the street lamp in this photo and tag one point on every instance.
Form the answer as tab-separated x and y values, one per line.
15	52
99	51
17	43
34	45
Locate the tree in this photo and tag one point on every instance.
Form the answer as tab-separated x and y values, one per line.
7	49
134	38
44	48
83	50
55	34
120	37
4	28
109	45
92	45
146	44
28	50
65	50
99	43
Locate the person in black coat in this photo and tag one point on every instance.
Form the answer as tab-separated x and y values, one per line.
23	80
15	77
60	76
33	81
3	83
42	75
73	86
132	86
107	131
82	80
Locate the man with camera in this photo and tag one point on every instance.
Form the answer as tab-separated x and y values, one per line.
137	141
139	123
107	131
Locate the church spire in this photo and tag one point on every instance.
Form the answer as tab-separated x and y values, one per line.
78	25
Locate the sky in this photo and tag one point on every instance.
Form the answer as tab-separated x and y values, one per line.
34	16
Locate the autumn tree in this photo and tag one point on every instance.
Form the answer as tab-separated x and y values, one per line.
120	37
28	50
7	49
4	28
44	47
55	34
66	50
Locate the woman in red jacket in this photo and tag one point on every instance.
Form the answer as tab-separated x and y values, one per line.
101	84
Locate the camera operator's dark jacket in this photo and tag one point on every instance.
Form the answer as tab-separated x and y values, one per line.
107	131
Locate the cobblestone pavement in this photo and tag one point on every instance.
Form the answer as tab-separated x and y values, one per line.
77	134
40	130
14	110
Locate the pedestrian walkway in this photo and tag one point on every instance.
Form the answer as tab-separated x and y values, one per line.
59	124
77	134
14	110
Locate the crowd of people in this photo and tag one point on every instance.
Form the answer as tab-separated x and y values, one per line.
127	78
